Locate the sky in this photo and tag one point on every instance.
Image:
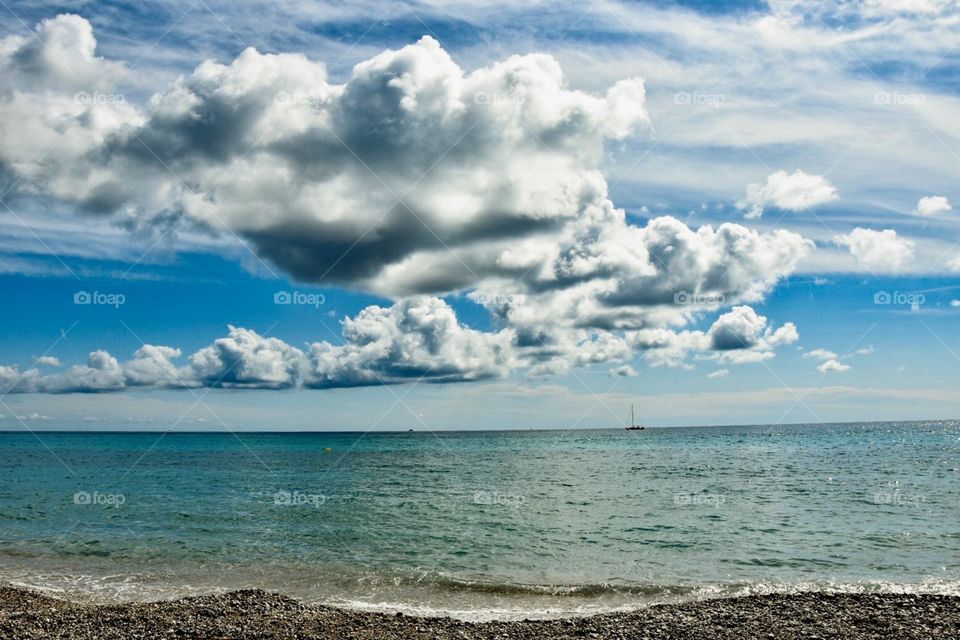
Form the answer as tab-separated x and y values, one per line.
477	215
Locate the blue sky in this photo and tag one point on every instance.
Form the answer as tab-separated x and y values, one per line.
489	216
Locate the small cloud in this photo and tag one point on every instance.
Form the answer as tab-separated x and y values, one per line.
955	303
932	205
821	354
830	361
47	361
833	365
719	373
797	191
626	371
877	250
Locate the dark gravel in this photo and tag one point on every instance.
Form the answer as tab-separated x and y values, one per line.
258	614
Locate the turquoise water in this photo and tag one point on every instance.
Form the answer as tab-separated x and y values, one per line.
485	525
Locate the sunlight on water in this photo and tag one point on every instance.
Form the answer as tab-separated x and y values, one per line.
486	525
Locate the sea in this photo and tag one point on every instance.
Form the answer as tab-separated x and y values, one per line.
485	525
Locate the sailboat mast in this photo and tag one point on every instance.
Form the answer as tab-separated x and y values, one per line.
631	416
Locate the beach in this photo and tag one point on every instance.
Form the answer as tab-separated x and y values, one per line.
259	614
486	526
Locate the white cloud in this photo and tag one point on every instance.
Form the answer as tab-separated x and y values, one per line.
932	205
33	416
245	359
60	53
878	250
797	191
373	182
151	366
740	336
833	366
907	6
819	108
13	381
312	173
47	361
667	348
740	329
607	274
719	373
101	373
415	339
830	360
821	354
624	371
411	179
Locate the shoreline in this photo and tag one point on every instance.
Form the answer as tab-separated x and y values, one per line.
26	613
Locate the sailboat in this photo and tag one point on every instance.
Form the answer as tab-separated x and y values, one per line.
633	426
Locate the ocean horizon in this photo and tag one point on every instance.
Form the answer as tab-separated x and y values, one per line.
486	525
232	430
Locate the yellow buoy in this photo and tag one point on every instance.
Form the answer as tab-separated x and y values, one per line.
327	450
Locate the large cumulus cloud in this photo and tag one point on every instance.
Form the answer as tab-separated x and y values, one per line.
407	161
412	179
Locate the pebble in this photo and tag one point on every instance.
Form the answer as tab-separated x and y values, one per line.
29	615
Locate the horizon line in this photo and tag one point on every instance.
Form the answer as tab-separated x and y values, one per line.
485	430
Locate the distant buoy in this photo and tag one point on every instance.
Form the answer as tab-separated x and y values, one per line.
327	450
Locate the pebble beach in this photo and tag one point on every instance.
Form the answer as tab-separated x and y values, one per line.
27	614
